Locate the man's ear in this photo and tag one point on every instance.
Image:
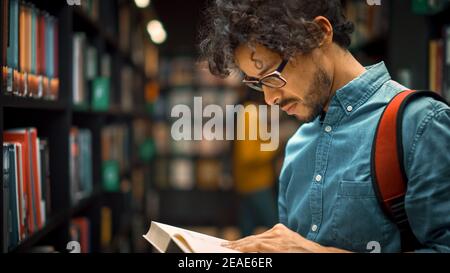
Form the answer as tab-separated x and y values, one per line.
327	29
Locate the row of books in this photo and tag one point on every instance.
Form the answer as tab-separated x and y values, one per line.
125	18
115	156
91	84
178	72
138	178
188	174
132	91
439	64
369	20
144	148
91	8
80	235
144	56
162	128
80	232
29	51
196	159
151	60
116	145
429	6
134	41
191	164
26	182
130	40
144	201
115	141
81	180
222	97
218	96
166	145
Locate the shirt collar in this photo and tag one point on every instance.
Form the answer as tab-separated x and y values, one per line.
359	90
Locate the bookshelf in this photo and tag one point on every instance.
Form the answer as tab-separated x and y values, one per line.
54	120
191	203
401	34
369	39
409	44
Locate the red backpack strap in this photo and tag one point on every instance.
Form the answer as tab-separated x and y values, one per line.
388	172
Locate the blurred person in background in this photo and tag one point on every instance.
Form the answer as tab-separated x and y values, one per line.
254	175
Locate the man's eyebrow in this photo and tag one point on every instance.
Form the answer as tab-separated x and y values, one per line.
258	63
262	72
267	69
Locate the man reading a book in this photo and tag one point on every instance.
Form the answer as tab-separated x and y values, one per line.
296	53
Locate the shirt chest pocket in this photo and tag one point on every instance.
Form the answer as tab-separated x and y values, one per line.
357	218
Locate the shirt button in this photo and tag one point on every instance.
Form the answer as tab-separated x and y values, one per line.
318	178
349	108
314	228
328	129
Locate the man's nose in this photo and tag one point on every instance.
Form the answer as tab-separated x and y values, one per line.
271	95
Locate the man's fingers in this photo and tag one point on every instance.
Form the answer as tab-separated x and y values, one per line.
253	241
260	246
272	233
240	240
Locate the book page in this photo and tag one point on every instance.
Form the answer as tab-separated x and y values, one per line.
199	243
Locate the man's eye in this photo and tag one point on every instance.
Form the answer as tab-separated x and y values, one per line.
252	79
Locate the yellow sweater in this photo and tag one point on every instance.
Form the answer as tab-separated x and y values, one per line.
253	168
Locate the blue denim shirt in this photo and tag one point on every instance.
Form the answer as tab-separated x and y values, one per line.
326	192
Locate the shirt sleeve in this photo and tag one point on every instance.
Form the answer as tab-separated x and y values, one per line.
427	200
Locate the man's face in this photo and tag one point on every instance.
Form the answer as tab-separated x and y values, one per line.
309	79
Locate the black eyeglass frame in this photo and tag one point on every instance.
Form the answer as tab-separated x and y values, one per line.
258	84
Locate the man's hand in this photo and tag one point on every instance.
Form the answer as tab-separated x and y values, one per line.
279	239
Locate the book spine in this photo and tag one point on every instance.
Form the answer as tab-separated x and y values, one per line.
6	46
21	193
33	51
5	199
4	39
14	198
13	49
22	49
55	79
28	51
49	36
45	177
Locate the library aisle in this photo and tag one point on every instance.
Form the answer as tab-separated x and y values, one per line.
90	97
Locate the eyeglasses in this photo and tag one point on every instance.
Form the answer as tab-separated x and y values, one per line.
271	80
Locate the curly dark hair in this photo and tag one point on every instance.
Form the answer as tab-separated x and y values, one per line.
284	26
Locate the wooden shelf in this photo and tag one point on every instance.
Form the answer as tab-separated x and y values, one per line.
84	203
31	103
192	156
113	114
56	221
128	60
50	226
92	27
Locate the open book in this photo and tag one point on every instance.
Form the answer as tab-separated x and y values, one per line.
169	239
